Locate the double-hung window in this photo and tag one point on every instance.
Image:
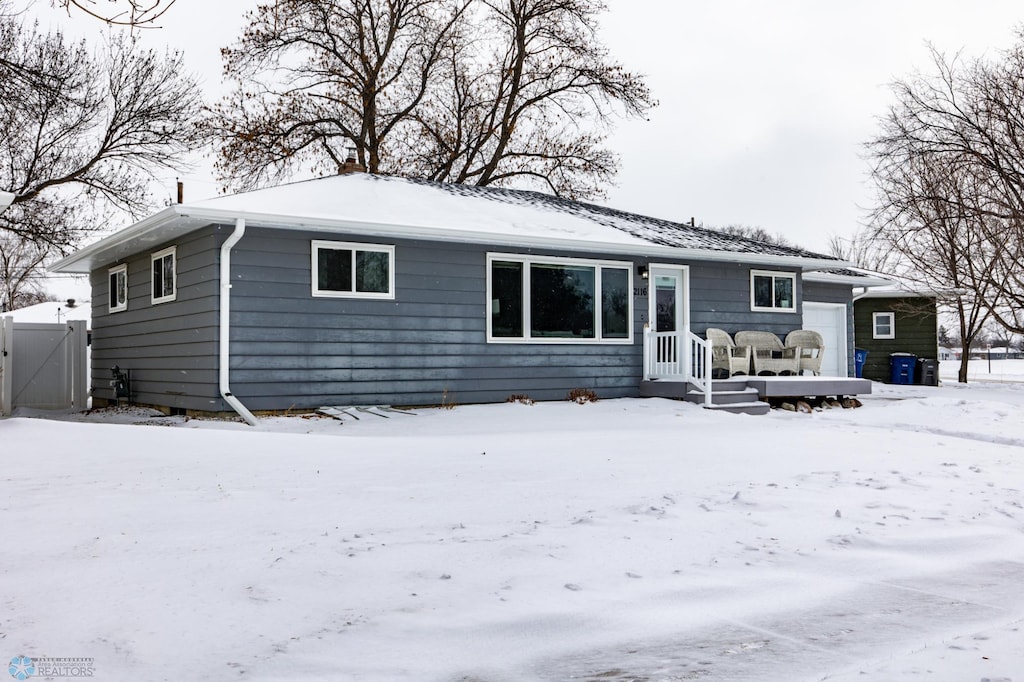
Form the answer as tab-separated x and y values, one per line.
350	270
772	291
164	275
558	300
883	325
118	288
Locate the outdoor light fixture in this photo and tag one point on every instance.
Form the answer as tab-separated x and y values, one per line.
642	269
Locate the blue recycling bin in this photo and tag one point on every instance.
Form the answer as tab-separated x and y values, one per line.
860	356
902	366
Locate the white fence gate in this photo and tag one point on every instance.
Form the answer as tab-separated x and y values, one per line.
43	366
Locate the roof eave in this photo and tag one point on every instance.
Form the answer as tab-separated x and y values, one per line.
638	247
899	293
123	243
81	261
852	280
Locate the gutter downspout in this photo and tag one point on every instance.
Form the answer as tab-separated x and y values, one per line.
224	366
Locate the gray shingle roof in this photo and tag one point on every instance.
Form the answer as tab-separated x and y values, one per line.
653	230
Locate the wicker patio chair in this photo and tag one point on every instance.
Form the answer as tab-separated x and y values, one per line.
769	354
811	346
725	355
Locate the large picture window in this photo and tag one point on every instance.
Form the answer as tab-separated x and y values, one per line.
558	300
118	288
165	275
772	291
351	270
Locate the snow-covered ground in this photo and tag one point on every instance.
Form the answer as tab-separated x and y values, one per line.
983	370
621	540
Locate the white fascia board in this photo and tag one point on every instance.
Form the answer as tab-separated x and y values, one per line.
124	242
896	293
130	240
852	280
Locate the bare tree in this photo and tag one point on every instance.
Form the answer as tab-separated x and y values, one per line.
757	233
864	251
934	224
529	97
133	13
968	118
93	126
317	77
477	92
21	264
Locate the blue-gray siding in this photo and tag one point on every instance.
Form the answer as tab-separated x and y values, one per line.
290	349
169	348
720	297
426	346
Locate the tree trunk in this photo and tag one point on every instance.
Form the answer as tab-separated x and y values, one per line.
965	357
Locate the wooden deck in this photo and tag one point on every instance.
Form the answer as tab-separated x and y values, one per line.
749	394
785	387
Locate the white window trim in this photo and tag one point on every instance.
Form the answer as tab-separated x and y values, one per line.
119	270
875	317
317	244
173	252
774	274
598	296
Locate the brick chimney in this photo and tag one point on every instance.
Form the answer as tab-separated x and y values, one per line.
351	165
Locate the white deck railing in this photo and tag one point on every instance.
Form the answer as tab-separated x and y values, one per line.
678	356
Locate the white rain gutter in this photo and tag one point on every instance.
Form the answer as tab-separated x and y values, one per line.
225	325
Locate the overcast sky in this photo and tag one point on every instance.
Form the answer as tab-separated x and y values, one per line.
763	109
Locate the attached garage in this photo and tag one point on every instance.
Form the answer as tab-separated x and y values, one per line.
829	320
828	310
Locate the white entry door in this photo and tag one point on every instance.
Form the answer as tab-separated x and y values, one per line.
669	313
829	320
668	298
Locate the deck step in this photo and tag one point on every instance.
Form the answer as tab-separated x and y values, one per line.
745	394
718	397
757	407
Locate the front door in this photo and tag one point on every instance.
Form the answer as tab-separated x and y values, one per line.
669	313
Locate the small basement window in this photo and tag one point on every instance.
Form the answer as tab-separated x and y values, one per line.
772	291
883	325
118	288
349	270
164	279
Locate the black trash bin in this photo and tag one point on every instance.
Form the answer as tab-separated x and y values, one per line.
928	372
902	368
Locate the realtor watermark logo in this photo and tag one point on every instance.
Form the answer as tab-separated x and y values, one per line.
24	668
21	668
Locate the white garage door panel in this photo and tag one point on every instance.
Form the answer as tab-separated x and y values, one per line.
829	320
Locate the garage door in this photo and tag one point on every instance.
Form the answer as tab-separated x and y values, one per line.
829	320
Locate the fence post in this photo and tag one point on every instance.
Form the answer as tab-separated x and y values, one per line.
76	367
6	361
